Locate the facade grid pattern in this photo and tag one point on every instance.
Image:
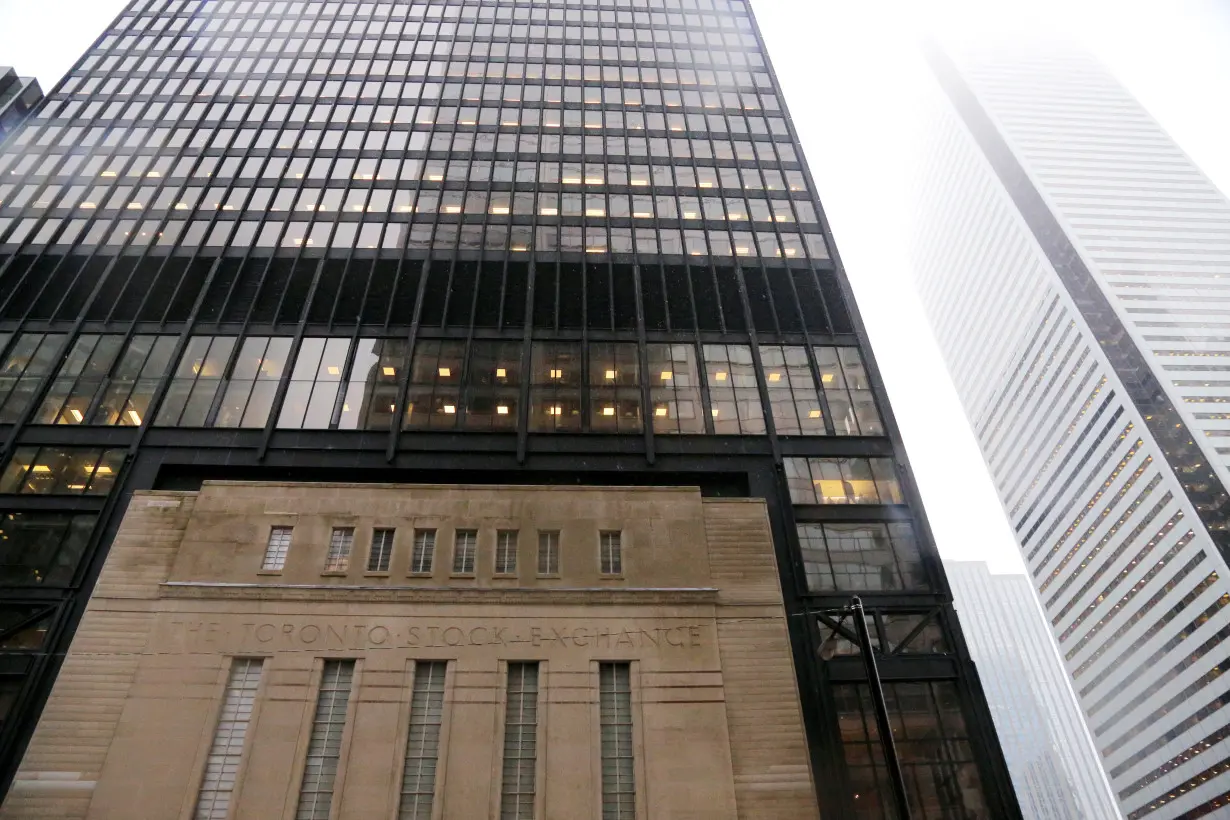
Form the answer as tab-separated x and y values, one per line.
451	241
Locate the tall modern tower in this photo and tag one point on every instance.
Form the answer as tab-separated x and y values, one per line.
1073	262
1057	772
287	280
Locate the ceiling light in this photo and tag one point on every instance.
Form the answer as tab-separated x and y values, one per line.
501	373
390	371
501	410
41	468
135	416
77	415
667	375
814	414
334	370
557	374
608	411
719	376
775	377
610	374
445	372
660	411
450	409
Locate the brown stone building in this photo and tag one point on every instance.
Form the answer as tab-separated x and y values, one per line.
378	651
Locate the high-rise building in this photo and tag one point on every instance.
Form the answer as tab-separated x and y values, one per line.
18	96
287	281
1072	259
1056	770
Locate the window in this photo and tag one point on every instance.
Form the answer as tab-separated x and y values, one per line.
674	391
42	548
24	628
874	557
254	382
198	377
614	387
277	549
34	355
555	387
371	394
424	551
122	384
493	386
933	745
520	743
793	398
316	381
548	552
381	552
325	745
615	723
848	392
418	779
734	396
226	751
435	385
465	545
611	561
506	552
842	481
340	544
61	471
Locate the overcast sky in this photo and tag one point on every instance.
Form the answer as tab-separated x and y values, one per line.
853	79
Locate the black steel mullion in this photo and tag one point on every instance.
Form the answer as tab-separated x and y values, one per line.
403	386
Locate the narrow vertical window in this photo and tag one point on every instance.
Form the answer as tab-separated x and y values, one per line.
277	549
612	559
548	553
325	745
381	553
520	742
418	780
214	800
424	551
465	545
341	542
615	717
506	552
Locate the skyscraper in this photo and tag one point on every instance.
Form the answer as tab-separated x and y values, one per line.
18	96
287	280
1070	257
1057	772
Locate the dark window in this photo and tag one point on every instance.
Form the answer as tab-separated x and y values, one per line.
435	385
493	386
932	743
371	394
42	548
851	557
555	387
381	552
614	387
33	356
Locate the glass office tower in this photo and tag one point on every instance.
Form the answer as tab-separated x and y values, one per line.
462	242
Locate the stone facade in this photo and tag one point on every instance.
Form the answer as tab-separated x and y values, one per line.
696	611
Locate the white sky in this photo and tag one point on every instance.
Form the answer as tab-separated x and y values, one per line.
852	79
